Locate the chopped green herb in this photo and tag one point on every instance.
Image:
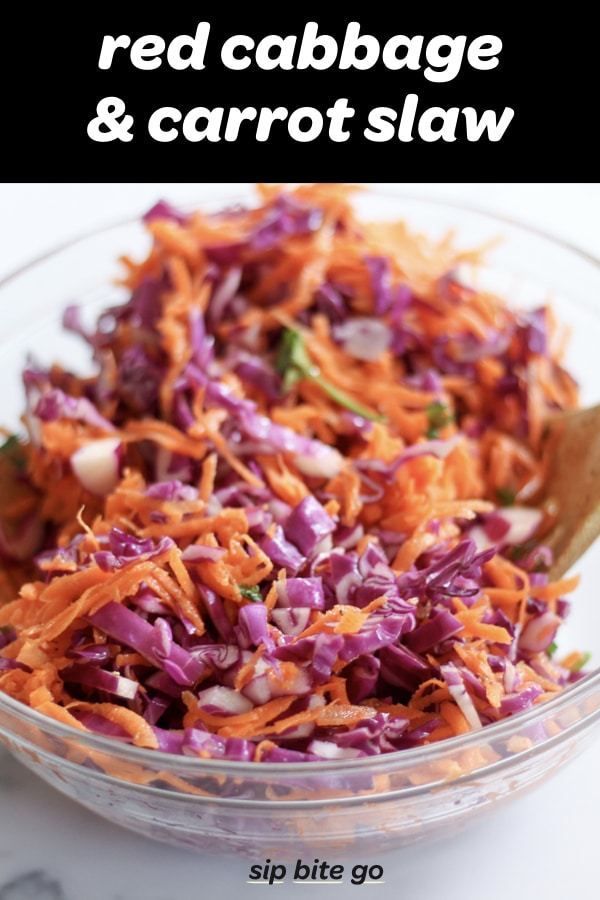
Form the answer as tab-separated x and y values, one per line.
517	552
251	593
551	650
9	444
292	358
438	416
581	662
506	496
293	363
291	377
12	450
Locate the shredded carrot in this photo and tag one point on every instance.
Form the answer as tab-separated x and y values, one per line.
454	717
556	589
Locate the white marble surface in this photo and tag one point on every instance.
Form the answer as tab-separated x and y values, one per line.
545	845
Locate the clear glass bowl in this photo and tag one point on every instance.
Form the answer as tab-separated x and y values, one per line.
377	803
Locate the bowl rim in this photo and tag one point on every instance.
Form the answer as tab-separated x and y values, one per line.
396	759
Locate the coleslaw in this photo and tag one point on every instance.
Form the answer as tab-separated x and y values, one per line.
297	513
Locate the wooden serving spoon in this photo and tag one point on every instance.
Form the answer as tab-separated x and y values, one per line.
573	485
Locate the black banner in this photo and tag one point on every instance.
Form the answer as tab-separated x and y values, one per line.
404	96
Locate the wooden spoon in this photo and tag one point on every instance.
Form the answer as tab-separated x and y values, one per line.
573	485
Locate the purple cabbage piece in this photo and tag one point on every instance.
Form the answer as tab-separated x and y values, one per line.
128	628
514	703
428	381
441	626
139	380
535	331
281	552
160	681
330	301
361	678
285	218
149	603
252	623
202	342
217	656
224	255
379	271
34	377
380	581
450	573
402	668
379	734
55	404
182	413
389	298
320	651
291	621
416	736
197	742
7	636
6	664
446	364
345	575
145	307
472	681
164	210
308	524
99	725
93	677
563	608
222	302
142	310
377	633
347	536
154	708
127	546
359	580
123	548
97	654
538	579
298	592
173	491
258	374
200	552
169	740
216	611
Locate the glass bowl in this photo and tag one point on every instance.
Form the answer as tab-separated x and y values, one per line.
378	803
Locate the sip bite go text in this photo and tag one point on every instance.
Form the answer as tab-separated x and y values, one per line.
317	872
